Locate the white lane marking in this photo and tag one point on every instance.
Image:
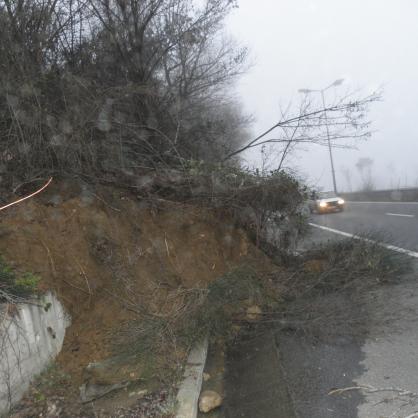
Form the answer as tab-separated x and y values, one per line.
384	203
400	214
346	234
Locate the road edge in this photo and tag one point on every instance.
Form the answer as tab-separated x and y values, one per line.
359	237
189	391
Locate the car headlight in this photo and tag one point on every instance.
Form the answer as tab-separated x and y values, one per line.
341	201
322	204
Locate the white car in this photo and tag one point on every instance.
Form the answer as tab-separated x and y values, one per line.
324	203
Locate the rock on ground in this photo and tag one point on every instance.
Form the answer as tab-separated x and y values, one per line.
209	400
253	313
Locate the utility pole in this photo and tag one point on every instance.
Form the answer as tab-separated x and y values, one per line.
334	181
322	91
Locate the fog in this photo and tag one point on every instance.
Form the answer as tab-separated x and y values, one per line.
309	44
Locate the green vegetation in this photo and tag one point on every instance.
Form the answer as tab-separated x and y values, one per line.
14	286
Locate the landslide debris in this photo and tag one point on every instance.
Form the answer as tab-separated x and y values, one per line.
118	261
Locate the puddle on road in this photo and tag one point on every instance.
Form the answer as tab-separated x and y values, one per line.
284	373
254	384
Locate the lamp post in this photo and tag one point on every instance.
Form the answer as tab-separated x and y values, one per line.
322	91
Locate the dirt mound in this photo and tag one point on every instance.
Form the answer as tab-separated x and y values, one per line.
110	256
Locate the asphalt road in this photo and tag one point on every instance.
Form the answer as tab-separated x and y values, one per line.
378	371
367	348
394	223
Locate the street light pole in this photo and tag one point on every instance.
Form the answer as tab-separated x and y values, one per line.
334	181
307	91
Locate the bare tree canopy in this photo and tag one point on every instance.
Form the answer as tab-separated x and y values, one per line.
345	119
99	85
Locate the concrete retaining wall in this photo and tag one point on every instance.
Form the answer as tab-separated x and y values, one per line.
29	339
390	195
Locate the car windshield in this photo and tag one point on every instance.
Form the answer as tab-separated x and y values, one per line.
326	195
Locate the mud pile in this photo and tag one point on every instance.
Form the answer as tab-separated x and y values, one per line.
110	255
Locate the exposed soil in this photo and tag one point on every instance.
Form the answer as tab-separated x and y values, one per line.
110	255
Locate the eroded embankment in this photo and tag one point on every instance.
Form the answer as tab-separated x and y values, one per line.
111	257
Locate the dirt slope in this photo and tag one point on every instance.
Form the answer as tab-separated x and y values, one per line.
110	255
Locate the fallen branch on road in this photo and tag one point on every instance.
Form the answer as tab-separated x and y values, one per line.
372	389
400	395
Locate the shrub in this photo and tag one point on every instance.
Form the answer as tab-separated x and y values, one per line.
205	312
14	286
267	204
348	264
141	83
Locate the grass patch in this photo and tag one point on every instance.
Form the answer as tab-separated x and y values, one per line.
15	286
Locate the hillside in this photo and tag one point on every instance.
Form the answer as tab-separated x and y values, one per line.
115	261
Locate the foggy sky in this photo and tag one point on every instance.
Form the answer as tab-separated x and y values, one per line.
308	44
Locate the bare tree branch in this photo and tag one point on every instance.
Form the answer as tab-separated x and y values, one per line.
345	121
